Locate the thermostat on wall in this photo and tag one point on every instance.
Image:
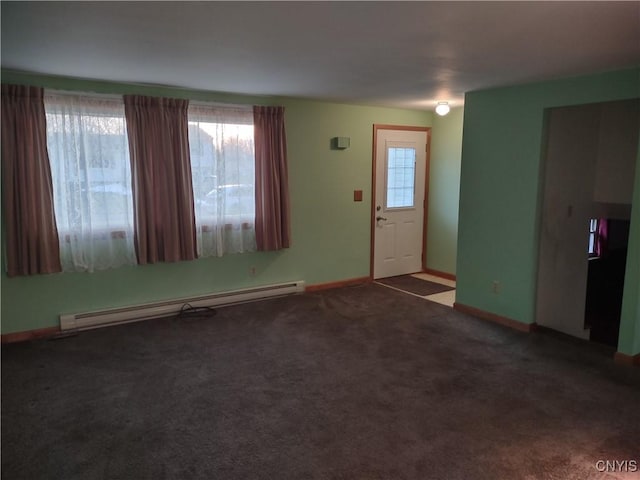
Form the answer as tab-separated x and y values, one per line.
341	142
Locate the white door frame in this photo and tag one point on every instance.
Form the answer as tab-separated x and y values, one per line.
427	130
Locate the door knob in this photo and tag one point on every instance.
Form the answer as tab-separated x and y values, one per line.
380	218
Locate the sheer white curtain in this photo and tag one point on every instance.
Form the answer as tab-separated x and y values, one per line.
223	171
89	156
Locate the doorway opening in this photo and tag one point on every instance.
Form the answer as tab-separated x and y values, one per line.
588	185
608	243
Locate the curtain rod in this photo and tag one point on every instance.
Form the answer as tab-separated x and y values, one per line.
203	103
237	106
70	93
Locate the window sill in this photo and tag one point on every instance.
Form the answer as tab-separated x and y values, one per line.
100	235
227	226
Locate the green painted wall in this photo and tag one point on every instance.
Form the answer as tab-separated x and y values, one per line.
500	187
444	191
331	233
629	338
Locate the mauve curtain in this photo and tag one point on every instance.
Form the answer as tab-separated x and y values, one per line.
164	216
602	237
273	226
31	235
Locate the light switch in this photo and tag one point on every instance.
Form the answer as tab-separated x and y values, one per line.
357	195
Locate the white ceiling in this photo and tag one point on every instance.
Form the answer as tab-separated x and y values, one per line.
405	54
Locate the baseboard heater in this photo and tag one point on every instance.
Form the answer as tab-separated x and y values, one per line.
114	316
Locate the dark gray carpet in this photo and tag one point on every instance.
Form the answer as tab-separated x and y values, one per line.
415	285
356	383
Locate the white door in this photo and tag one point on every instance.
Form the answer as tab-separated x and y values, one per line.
401	166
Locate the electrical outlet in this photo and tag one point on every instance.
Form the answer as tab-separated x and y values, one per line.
496	287
252	271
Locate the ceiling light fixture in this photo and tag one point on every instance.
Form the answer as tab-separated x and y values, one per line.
442	108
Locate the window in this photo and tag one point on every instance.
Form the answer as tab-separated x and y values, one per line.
223	175
86	166
92	182
401	172
598	237
90	169
593	233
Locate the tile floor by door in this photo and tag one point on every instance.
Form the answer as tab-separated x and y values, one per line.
444	298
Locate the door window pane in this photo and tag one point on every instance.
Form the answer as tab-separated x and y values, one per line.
401	174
